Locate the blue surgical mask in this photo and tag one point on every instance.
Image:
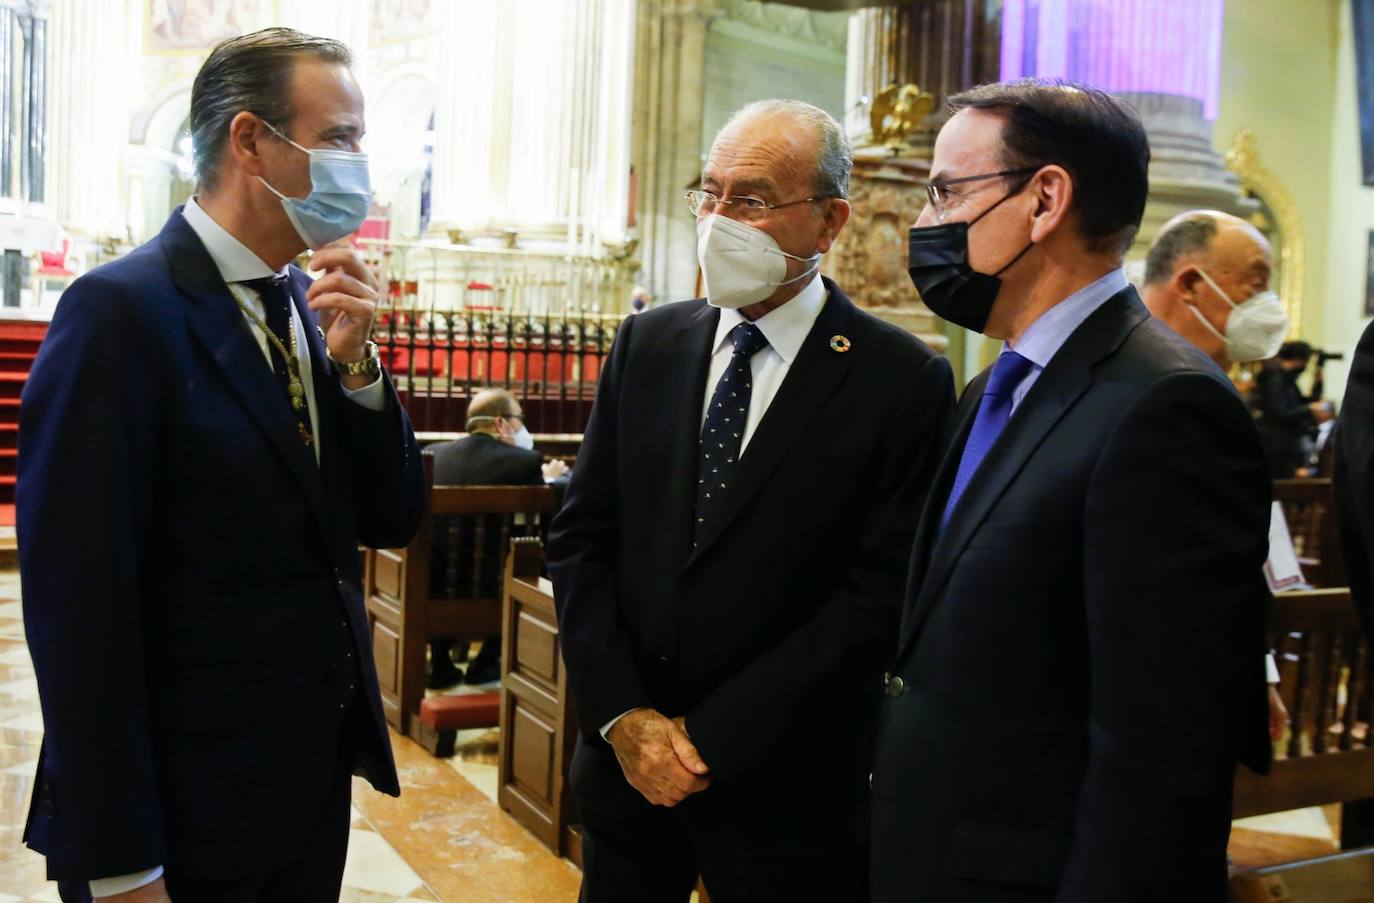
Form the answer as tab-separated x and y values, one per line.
340	195
522	438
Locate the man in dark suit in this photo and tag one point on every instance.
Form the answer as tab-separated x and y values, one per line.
728	562
1080	663
498	451
205	438
1353	483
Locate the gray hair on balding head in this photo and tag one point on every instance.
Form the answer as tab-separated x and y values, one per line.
835	157
1185	235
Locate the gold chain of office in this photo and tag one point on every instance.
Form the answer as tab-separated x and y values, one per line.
292	360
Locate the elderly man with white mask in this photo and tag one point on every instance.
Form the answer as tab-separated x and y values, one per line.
730	556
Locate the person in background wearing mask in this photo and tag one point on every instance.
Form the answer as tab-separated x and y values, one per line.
1197	264
498	451
1081	657
205	439
1287	418
1207	276
729	559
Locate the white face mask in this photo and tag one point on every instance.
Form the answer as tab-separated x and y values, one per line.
742	265
522	438
1255	328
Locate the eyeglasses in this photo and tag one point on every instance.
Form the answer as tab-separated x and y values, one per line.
749	209
937	190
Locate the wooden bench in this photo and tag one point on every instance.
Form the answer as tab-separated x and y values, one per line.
446	583
1309	508
1324	669
538	722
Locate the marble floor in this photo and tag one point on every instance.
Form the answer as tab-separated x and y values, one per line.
444	839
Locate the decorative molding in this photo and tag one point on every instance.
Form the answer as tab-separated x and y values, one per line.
1262	183
827	30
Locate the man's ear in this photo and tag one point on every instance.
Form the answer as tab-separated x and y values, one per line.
1052	189
836	215
246	133
1185	283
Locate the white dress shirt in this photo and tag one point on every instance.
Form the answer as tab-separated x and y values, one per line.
237	264
785	328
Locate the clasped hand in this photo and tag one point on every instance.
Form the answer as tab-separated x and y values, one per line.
657	757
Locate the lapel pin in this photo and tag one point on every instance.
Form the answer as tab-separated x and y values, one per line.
320	330
840	344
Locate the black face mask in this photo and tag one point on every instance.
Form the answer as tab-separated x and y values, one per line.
938	264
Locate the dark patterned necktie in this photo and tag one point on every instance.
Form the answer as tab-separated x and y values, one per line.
723	433
994	411
276	304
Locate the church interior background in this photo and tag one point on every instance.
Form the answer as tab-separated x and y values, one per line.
529	159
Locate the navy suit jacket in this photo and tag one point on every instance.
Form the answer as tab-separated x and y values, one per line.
1081	658
191	578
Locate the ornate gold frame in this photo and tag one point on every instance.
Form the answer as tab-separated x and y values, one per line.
1256	179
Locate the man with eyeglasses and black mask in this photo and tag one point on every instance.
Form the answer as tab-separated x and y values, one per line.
205	440
1080	664
728	563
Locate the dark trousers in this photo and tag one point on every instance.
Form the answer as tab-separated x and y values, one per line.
639	853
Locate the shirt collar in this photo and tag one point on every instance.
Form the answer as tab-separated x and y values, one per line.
232	258
784	327
1039	343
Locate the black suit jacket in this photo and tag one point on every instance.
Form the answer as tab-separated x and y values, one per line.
191	577
1080	665
483	460
774	631
476	460
1353	485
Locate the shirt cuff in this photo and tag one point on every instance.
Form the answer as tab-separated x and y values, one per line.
606	728
122	884
371	396
1271	668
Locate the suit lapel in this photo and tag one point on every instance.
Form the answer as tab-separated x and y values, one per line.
688	357
928	529
217	323
813	376
1058	388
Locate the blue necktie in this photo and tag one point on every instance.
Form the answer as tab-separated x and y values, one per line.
993	413
722	434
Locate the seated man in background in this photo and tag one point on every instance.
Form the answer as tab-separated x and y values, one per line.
498	451
1201	245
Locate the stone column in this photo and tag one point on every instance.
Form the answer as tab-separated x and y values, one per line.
669	101
533	119
942	47
90	75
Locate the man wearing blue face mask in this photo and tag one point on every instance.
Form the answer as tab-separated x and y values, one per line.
1080	665
729	558
205	439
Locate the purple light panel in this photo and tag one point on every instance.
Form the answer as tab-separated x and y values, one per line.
1167	46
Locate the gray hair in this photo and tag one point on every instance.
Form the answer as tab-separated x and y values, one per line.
835	158
251	72
1183	236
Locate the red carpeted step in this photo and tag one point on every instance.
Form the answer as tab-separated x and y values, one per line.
460	711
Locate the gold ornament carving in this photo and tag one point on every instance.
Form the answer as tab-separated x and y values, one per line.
1260	182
